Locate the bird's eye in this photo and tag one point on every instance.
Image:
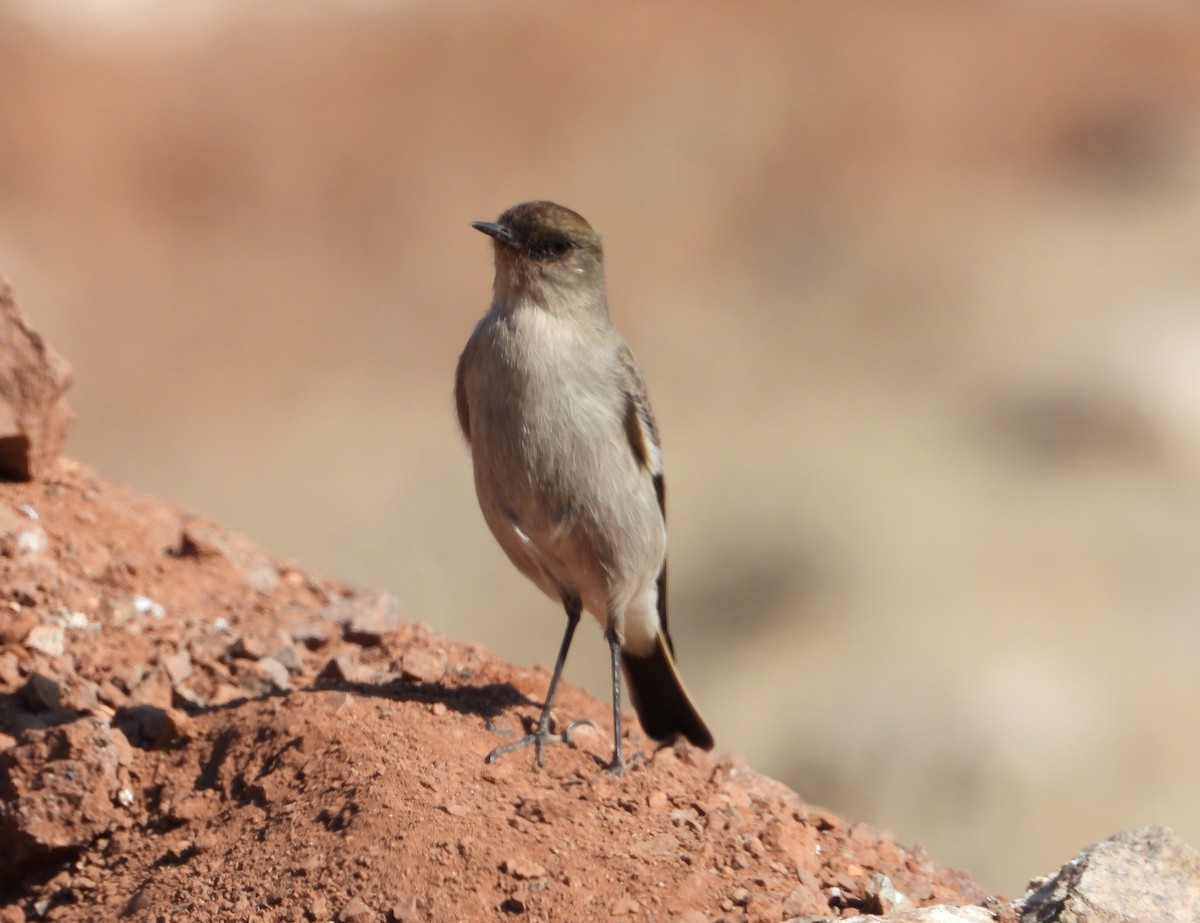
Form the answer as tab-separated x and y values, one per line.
559	246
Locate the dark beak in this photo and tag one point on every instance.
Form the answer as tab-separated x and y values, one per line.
498	231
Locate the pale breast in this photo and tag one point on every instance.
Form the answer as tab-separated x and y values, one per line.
559	484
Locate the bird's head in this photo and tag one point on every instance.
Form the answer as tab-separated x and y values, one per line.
546	252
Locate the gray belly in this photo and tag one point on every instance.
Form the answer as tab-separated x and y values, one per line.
567	500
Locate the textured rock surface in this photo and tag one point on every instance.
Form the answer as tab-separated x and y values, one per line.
1148	874
61	788
34	416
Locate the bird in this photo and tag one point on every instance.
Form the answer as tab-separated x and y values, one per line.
568	466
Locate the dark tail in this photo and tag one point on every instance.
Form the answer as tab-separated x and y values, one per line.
662	704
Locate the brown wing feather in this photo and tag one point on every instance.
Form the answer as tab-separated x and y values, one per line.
655	688
643	439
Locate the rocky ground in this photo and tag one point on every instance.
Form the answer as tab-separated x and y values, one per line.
194	730
191	729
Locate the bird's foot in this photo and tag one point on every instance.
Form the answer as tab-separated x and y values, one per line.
539	738
617	765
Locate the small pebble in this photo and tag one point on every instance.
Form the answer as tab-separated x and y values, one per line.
522	869
48	639
31	541
658	801
144	605
355	911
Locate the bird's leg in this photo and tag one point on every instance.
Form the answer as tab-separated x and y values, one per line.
541	735
616	766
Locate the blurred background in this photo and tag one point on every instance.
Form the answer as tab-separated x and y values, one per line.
916	289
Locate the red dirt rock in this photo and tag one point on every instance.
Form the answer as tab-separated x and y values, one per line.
191	729
34	416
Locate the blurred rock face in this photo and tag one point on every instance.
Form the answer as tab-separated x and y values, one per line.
34	416
914	291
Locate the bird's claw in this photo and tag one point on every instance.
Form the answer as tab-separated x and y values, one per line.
540	738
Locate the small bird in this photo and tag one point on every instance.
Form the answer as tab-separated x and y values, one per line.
568	469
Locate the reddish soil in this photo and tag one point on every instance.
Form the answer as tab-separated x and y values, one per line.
191	729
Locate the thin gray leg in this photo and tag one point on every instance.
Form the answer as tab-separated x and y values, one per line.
541	734
617	766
